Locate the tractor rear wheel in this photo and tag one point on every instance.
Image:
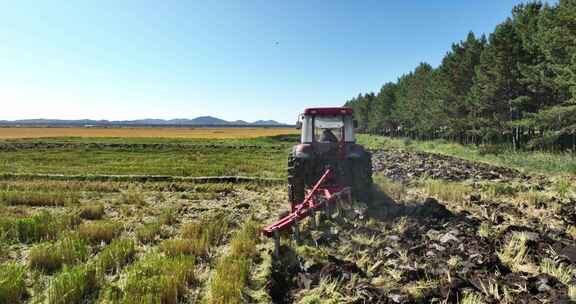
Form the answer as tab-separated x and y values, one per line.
362	178
296	176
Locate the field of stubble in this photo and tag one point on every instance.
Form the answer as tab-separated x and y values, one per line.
127	220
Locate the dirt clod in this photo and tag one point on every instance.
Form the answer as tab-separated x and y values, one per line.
403	165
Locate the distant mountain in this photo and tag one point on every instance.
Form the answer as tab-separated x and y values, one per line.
198	121
207	120
266	122
55	122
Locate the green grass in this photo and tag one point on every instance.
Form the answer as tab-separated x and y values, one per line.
39	227
78	283
564	187
472	298
394	189
495	190
516	253
418	288
485	230
249	157
147	232
571	231
232	271
231	275
12	282
179	247
119	253
168	216
530	162
133	196
197	238
92	212
532	198
35	198
73	285
447	191
565	273
327	291
99	231
50	257
48	185
151	276
203	234
159	279
211	229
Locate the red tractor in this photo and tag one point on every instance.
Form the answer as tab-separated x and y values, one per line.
326	166
327	141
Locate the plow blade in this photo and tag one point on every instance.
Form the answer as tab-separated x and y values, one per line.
321	197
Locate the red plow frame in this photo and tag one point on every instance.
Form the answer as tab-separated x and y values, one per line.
321	197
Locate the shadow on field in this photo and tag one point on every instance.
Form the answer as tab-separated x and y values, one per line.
383	207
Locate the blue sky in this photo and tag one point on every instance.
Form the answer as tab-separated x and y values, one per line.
231	59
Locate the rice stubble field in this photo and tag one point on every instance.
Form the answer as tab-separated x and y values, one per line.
81	223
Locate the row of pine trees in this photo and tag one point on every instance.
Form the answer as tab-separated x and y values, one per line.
517	87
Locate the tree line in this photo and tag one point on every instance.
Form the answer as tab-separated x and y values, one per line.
516	86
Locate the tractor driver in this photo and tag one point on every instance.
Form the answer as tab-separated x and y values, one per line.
328	136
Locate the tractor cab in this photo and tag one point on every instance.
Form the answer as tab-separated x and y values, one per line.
326	125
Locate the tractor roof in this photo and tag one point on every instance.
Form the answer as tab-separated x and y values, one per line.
329	111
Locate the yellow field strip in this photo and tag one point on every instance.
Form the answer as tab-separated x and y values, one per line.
223	133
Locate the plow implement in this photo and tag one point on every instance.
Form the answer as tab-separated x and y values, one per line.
322	197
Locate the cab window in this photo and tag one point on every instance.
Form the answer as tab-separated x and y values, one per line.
328	129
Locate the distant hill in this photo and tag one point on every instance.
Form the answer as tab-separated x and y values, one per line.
198	121
265	122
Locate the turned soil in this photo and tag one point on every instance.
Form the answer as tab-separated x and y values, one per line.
404	165
419	249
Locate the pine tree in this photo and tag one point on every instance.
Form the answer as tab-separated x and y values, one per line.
457	73
518	86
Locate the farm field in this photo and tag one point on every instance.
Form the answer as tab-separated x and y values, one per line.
44	132
256	157
80	223
210	159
